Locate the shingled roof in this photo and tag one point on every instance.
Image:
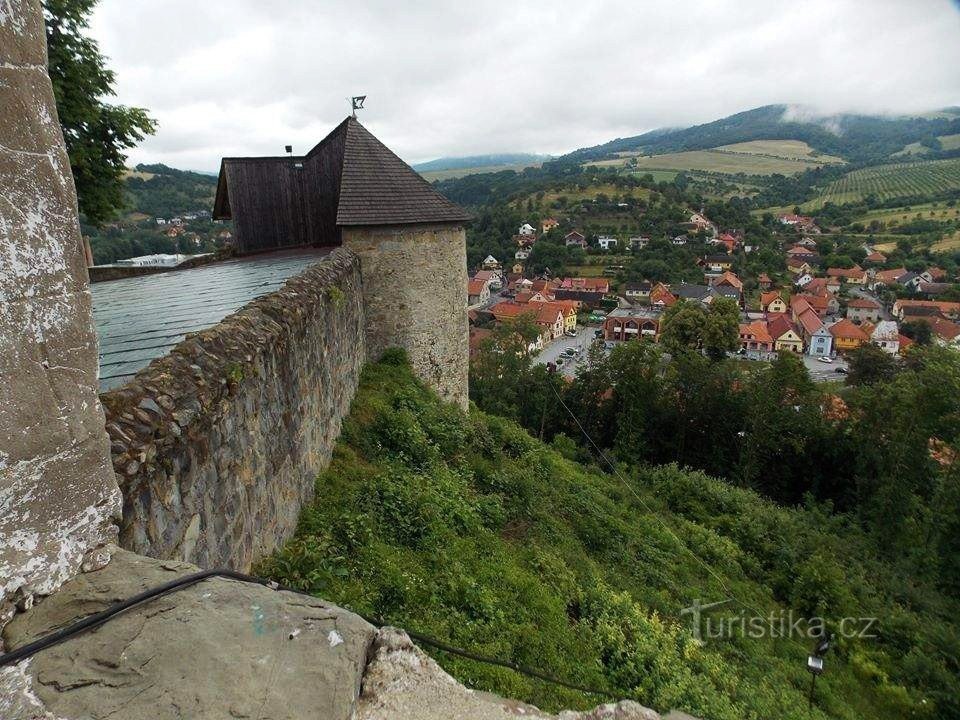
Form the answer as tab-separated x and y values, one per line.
378	188
348	179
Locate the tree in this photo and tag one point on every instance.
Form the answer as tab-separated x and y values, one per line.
870	364
96	133
918	330
721	330
682	327
500	371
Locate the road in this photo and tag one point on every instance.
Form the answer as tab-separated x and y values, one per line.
554	350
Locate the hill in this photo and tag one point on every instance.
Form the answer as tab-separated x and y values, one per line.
161	191
468	529
454	167
857	138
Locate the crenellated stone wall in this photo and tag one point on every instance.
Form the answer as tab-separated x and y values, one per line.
218	444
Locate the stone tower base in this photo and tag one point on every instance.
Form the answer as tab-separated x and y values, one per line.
415	296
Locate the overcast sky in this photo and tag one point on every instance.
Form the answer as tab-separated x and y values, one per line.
464	77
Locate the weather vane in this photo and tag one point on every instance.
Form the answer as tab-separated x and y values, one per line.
356	103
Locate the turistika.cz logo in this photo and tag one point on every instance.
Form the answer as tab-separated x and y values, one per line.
777	624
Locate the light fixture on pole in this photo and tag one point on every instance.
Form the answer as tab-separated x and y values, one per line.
815	663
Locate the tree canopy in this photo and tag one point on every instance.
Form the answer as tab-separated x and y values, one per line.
96	133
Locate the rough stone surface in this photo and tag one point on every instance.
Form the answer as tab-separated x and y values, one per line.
218	649
218	444
58	493
414	289
402	682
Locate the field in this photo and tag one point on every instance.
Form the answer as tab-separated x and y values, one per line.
758	157
947	142
432	175
574	194
898	216
890	181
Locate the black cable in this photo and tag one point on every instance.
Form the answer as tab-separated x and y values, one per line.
97	619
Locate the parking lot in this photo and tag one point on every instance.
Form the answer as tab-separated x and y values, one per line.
555	350
824	372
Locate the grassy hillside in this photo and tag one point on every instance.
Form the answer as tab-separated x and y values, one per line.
451	173
753	158
466	528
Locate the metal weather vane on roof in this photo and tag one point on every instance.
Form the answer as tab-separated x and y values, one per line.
356	103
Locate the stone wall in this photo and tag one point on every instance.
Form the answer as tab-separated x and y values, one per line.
58	494
219	443
415	292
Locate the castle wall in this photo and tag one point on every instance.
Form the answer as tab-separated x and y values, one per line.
58	494
218	444
414	289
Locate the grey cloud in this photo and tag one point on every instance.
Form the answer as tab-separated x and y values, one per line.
248	76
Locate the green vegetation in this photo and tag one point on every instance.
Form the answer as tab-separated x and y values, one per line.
894	180
96	133
468	529
713	160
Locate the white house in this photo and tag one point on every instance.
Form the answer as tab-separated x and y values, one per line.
490	263
804	280
607	242
886	336
680	240
521	254
527	229
638	242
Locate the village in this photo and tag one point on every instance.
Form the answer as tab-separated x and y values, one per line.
818	312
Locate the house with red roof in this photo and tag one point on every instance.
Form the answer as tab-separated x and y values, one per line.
875	258
854	276
816	337
772	302
661	297
784	334
755	340
887	277
478	292
764	281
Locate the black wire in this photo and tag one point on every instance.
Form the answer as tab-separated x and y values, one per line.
92	621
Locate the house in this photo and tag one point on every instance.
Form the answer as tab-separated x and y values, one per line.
910	280
536	296
686	291
493	278
729	279
886	336
847	336
549	224
606	242
636	291
517	269
490	263
935	274
816	337
887	277
717	263
802	253
728	241
632	324
818	286
661	297
854	276
160	221
478	292
798	267
521	254
527	229
772	302
860	309
932	289
680	240
700	222
638	242
755	340
590	291
477	338
950	310
575	238
808	243
824	302
802	221
875	258
764	281
803	280
547	315
784	334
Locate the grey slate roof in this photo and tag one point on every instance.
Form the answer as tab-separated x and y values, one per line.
378	188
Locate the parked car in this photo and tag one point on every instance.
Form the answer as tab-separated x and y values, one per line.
841	370
825	359
569	352
571	333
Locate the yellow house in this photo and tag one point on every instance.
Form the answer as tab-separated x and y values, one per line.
569	313
772	302
847	336
785	336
